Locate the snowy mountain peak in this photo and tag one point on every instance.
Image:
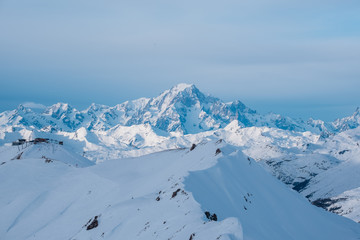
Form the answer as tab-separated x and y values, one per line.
94	107
347	123
133	105
357	112
182	87
23	109
185	93
58	109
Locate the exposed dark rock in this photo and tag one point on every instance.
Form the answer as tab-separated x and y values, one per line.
343	151
192	236
334	209
327	202
310	195
212	217
158	198
18	157
299	186
323	202
175	193
217	151
193	147
93	224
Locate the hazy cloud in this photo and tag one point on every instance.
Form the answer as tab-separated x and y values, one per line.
34	105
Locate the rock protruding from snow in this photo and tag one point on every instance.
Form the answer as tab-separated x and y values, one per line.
93	223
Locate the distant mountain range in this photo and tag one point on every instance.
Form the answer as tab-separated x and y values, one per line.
183	109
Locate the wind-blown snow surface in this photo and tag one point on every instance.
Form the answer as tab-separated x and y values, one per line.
56	200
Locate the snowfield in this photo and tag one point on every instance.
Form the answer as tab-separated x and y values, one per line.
158	196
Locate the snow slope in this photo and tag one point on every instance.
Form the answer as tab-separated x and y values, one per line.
135	199
238	187
325	171
339	186
47	151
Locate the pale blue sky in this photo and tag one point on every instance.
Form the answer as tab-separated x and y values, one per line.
297	58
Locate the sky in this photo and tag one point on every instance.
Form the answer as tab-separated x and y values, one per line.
296	58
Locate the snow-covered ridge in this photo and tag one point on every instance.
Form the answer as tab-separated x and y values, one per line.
163	195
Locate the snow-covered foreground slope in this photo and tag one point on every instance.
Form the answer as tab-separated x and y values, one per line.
159	196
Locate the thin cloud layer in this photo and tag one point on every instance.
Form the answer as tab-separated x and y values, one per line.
117	50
